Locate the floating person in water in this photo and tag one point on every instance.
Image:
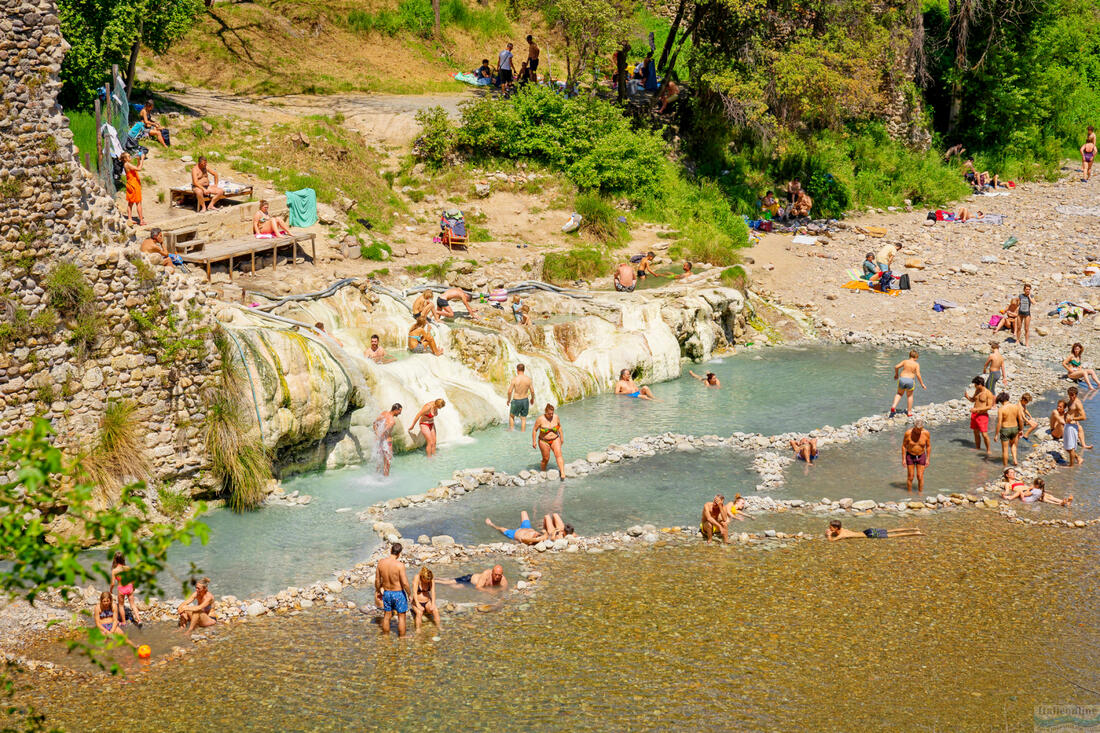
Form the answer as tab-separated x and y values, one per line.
423	598
805	449
736	509
715	519
376	353
710	378
628	387
391	589
521	392
555	528
443	302
524	533
981	403
420	339
490	579
1013	488
548	436
907	374
916	455
383	433
837	532
198	610
425	420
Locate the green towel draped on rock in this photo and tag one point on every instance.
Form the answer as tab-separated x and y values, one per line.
303	207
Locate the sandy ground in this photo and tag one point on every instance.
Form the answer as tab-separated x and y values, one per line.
963	263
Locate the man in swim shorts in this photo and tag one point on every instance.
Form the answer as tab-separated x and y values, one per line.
443	302
982	403
805	449
837	532
907	374
625	277
525	533
520	393
391	590
491	578
715	519
916	455
1071	433
628	387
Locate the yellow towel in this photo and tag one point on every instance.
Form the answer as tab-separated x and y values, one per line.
861	285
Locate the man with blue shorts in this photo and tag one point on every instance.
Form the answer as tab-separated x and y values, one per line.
524	533
391	589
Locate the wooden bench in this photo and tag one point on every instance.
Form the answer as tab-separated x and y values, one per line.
185	195
183	241
248	247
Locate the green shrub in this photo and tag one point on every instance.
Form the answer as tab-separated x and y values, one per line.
415	196
172	503
599	219
68	290
735	277
377	251
433	271
45	321
477	233
85	332
417	17
237	455
579	263
437	138
117	455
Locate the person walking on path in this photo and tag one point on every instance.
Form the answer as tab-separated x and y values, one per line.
504	67
133	187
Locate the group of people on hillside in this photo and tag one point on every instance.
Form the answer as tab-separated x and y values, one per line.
799	203
504	75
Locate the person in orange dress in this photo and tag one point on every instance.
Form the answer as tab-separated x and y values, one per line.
133	186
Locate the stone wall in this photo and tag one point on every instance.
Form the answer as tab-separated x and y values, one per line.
53	211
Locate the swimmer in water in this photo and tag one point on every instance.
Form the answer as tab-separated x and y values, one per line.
837	532
710	378
805	449
907	374
628	387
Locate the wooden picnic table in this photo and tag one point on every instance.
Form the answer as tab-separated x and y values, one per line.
248	247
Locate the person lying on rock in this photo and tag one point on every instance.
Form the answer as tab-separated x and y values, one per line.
525	533
837	532
490	579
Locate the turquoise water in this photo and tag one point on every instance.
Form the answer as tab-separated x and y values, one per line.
768	391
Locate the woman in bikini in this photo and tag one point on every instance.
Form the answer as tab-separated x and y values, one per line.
106	616
425	420
420	340
118	567
1011	317
198	609
548	436
1088	152
423	598
264	223
1076	371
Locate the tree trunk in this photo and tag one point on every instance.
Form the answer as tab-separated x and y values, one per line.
671	35
699	13
959	12
435	9
131	68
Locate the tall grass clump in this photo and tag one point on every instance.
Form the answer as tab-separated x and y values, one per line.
82	125
237	455
117	455
418	18
68	290
599	219
585	262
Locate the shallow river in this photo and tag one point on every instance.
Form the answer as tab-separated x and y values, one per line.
969	628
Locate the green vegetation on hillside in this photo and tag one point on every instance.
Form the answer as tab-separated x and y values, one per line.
417	17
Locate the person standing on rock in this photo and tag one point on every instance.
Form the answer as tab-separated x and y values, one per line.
1023	323
1009	422
383	433
907	374
425	420
133	187
504	67
532	55
520	394
1058	420
391	590
995	367
715	519
1088	152
1075	416
916	455
981	404
548	436
625	277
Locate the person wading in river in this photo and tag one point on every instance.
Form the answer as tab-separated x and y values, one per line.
426	420
391	589
548	437
982	403
383	433
1009	422
907	374
520	394
916	455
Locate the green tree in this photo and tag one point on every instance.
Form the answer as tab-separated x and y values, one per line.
106	32
589	29
47	519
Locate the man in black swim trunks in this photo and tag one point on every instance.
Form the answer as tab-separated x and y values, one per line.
491	578
836	532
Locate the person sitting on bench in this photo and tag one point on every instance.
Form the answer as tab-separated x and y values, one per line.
204	182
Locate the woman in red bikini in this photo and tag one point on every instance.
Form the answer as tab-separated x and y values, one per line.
118	567
426	420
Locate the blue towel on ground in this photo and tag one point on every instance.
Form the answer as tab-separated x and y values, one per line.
302	206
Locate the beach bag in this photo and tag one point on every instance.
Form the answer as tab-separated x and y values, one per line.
167	137
903	282
994	321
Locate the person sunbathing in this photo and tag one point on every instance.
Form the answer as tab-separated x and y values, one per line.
420	340
837	532
555	528
1077	371
1010	317
1034	494
965	215
668	96
154	244
266	224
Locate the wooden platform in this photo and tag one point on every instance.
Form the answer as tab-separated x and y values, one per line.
235	249
185	195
